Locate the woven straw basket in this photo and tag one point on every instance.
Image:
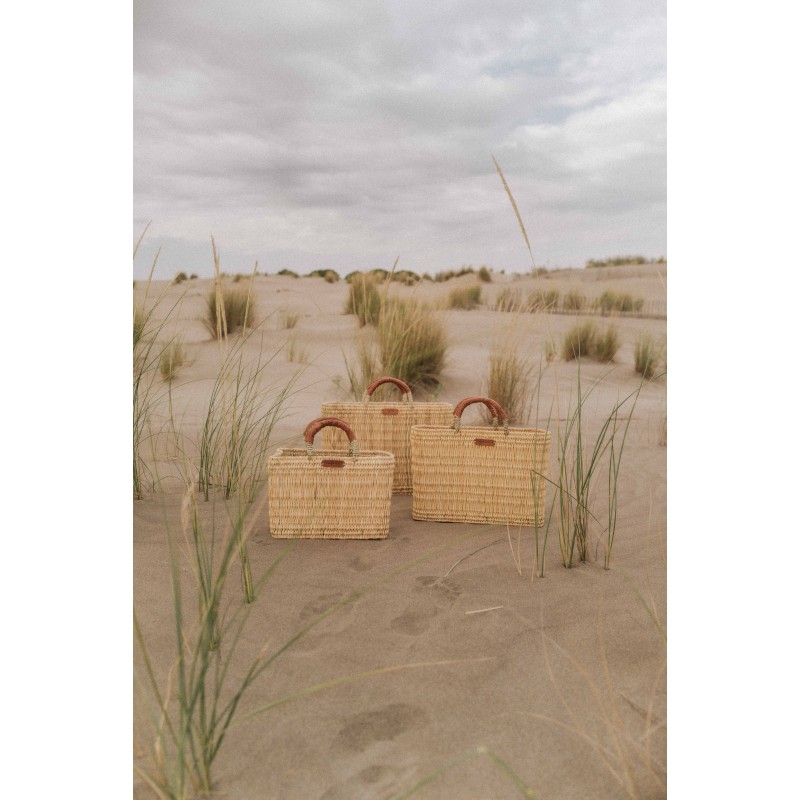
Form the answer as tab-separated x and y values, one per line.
480	474
324	494
386	426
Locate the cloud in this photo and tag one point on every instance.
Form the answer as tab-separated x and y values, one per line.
353	132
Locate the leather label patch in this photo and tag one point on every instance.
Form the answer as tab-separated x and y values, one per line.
332	462
390	411
484	442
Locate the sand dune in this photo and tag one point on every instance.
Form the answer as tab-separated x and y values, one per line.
561	678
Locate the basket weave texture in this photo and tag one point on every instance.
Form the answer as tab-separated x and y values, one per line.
482	474
330	494
386	426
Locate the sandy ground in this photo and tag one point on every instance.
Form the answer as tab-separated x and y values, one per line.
563	678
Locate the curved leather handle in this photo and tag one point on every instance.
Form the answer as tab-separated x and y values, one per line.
316	425
493	405
496	409
401	385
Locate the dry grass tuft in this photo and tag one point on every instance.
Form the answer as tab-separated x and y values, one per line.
606	345
412	343
229	309
364	300
645	357
173	358
465	298
578	341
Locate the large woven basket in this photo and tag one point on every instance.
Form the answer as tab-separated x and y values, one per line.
326	494
386	426
484	474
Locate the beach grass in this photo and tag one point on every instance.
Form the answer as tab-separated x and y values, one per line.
645	356
364	299
172	359
412	342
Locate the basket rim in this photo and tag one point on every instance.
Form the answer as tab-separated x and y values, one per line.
282	452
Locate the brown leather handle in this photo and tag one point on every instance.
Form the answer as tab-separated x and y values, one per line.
316	425
401	385
493	406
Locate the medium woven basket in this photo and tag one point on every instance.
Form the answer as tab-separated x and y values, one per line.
386	426
326	494
484	474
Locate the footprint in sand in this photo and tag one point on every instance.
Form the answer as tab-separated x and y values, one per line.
383	725
414	621
443	589
313	608
358	565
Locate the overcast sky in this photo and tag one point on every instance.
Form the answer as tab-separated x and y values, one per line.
349	133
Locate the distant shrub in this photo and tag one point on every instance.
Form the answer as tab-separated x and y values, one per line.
578	341
329	275
364	300
180	278
289	273
574	300
466	297
617	261
237	307
193	276
406	277
484	273
441	277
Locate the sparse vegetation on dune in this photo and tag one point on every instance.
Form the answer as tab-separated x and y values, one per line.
621	261
610	301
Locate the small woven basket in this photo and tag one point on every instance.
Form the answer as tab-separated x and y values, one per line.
327	494
483	474
386	426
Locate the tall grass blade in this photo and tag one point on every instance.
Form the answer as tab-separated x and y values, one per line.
516	210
